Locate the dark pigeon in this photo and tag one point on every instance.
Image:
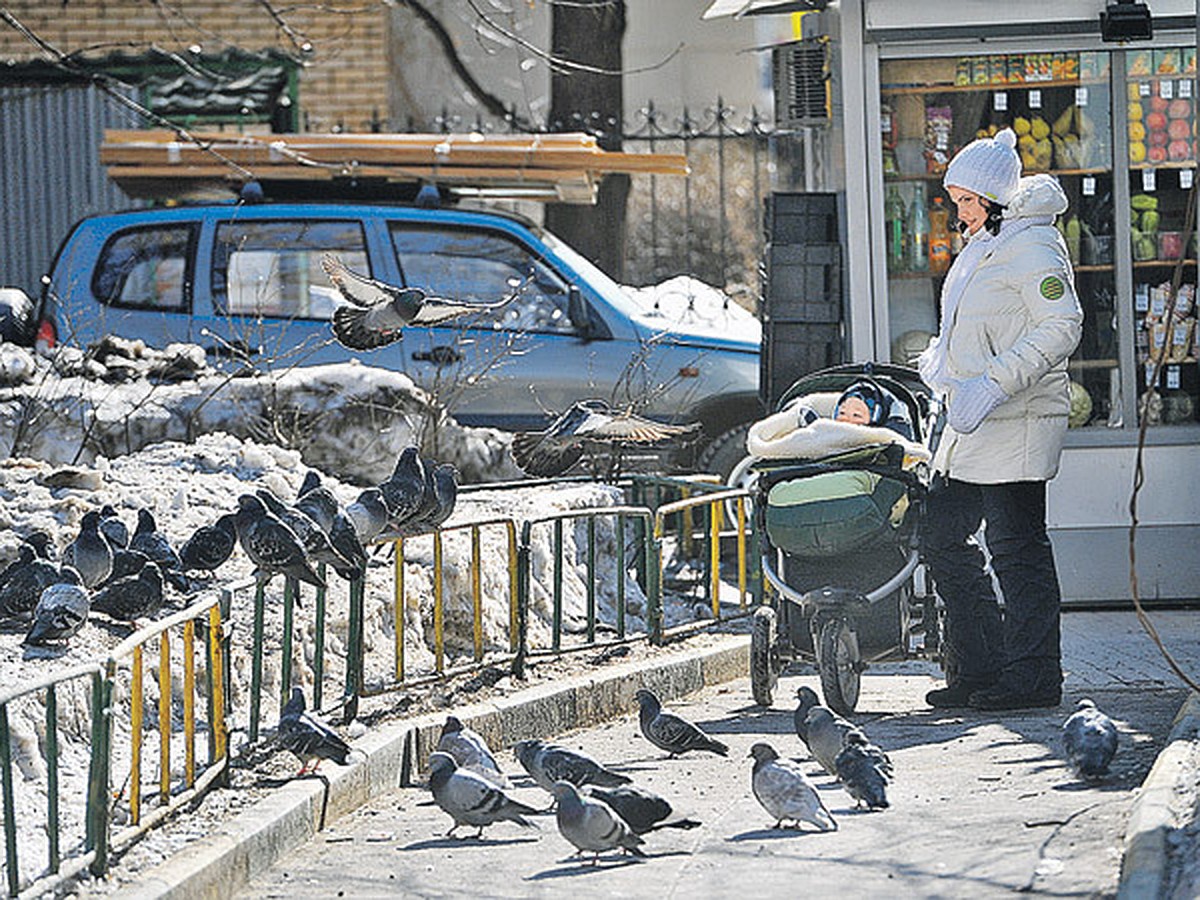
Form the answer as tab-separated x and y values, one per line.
126	562
547	763
404	492
60	612
369	514
270	544
153	543
42	544
669	732
113	528
376	312
826	735
315	542
587	425
132	596
320	505
592	825
642	809
441	496
470	799
864	771
24	582
1090	739
210	545
807	698
90	553
308	738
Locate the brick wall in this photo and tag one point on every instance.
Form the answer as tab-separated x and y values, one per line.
345	79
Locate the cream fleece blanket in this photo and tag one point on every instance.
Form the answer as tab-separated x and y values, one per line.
778	437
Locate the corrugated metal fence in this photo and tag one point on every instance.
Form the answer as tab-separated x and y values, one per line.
50	172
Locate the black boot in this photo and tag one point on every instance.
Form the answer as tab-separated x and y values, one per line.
1002	696
955	696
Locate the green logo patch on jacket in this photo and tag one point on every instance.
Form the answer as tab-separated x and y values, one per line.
1052	287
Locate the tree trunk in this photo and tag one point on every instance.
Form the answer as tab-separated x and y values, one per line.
589	32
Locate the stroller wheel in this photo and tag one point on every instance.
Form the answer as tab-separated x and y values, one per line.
840	665
763	672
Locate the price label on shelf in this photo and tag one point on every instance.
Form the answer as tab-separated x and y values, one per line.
1089	185
1166	89
1149	379
1035	98
1148	180
1172	378
1179	335
1185	89
1000	101
1081	96
1143	89
1141	298
1185	178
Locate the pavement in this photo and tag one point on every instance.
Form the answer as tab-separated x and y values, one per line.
1104	652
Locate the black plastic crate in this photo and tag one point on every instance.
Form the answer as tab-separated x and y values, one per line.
793	218
803	283
794	349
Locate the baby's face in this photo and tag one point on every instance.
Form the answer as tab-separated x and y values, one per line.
853	409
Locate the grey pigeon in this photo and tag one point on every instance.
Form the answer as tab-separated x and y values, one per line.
320	505
863	772
210	545
270	544
441	493
588	424
308	738
471	752
315	542
592	825
548	763
90	553
785	792
826	735
113	528
806	699
470	799
404	492
642	809
153	543
669	732
377	312
23	583
1090	739
368	514
132	596
60	612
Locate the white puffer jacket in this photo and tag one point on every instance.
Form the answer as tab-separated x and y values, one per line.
1017	319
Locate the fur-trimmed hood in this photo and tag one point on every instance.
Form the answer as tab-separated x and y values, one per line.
1037	195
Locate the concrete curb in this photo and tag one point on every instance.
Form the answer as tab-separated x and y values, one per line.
218	865
1151	819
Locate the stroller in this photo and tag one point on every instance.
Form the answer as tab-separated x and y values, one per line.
840	541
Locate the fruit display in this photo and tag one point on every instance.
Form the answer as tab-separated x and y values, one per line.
1162	126
1143	226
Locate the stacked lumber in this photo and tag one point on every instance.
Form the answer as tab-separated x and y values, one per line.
564	168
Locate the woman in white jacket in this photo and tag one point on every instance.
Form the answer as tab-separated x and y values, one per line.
1010	319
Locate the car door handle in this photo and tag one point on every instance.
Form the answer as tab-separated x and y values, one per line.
441	355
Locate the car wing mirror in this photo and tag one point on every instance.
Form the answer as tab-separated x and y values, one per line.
578	312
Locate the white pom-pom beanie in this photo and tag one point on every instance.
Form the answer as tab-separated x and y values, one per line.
989	167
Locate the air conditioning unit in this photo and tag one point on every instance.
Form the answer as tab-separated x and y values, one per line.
801	82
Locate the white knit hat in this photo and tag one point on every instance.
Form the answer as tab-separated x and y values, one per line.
989	167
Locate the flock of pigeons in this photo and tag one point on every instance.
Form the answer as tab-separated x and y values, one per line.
107	569
599	810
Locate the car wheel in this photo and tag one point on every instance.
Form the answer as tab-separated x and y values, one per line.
723	453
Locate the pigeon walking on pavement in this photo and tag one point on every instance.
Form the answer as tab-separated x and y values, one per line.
826	735
588	424
864	771
806	699
210	546
1090	739
592	825
670	732
642	809
376	312
90	553
470	799
785	792
471	752
308	738
549	763
60	612
133	596
270	544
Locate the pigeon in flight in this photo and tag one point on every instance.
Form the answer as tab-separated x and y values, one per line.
785	792
210	545
1090	739
469	799
270	544
308	738
549	763
60	612
669	732
471	752
864	771
642	809
587	425
376	312
592	825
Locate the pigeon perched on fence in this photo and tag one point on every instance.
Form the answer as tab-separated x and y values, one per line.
441	494
785	792
315	542
587	425
308	738
369	514
90	553
270	544
592	825
642	809
61	610
133	596
210	545
377	312
22	583
320	505
826	735
404	493
471	752
864	771
111	526
470	799
670	732
548	763
1090	739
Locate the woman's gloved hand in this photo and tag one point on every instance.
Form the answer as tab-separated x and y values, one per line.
972	401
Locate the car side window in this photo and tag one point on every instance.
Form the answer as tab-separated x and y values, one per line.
145	268
477	266
273	268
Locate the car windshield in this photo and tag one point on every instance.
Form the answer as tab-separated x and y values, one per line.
590	275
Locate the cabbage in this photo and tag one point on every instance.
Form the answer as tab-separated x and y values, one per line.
1081	406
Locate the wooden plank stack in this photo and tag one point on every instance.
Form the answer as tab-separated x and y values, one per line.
560	168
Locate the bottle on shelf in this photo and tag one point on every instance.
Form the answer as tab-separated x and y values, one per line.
939	237
893	213
918	232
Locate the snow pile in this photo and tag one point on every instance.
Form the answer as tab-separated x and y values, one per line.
701	309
